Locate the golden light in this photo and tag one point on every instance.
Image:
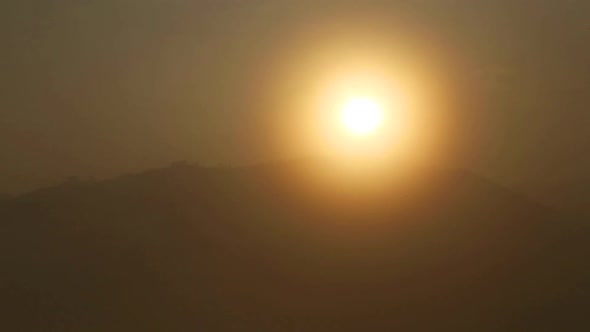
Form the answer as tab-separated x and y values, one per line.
368	108
361	115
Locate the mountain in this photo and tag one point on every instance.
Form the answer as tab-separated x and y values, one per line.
571	194
273	248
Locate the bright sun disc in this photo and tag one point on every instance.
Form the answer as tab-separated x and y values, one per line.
361	116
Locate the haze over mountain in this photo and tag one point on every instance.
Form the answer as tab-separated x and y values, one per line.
265	248
102	87
377	237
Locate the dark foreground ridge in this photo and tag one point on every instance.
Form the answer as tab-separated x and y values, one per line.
251	249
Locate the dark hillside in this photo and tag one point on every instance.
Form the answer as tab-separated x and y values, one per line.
255	249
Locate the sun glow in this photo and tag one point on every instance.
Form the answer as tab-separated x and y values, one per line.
365	109
361	116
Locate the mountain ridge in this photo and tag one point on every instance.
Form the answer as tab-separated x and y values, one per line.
255	248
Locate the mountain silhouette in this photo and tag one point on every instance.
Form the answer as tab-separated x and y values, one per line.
261	248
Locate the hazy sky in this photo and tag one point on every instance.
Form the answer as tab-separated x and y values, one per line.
103	87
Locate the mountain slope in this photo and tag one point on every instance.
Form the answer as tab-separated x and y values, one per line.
260	249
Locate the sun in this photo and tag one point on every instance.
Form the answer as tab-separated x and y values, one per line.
361	116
